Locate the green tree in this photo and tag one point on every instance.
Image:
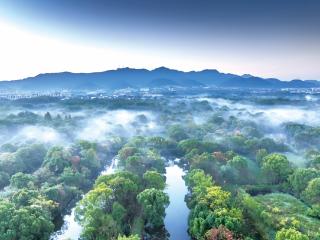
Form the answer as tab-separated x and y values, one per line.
131	237
154	203
93	212
276	167
312	192
31	157
126	152
118	212
153	179
21	180
177	133
290	234
198	181
28	222
315	162
260	154
301	177
57	159
72	177
4	179
90	159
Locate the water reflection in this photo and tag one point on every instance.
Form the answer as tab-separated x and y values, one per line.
176	220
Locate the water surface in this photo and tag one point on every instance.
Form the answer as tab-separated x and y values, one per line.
176	220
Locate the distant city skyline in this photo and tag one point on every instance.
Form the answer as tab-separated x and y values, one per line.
271	38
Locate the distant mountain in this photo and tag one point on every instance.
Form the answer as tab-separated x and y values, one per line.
143	78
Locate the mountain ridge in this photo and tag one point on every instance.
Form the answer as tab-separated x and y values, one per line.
142	78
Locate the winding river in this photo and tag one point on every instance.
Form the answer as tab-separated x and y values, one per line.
176	220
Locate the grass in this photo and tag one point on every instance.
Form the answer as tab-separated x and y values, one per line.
284	210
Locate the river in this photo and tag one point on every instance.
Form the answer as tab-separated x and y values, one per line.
176	220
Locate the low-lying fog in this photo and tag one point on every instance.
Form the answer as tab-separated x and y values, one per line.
99	124
87	125
120	123
269	115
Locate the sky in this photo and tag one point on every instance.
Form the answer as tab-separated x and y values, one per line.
268	38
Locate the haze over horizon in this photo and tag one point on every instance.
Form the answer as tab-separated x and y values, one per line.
265	38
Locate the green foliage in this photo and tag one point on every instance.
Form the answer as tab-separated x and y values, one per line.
290	234
94	212
276	167
22	180
104	209
131	237
312	192
4	179
153	179
275	211
25	159
139	161
154	203
27	216
57	159
260	154
210	206
300	178
177	133
315	162
32	156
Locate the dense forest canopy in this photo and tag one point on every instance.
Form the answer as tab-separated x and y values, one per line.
251	162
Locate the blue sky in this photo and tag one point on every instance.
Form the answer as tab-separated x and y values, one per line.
270	38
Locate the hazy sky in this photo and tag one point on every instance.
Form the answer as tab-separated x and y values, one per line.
269	38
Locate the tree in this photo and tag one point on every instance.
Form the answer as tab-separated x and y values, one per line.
108	210
177	133
300	178
276	167
213	209
126	152
153	179
219	233
26	222
312	192
131	237
90	159
31	157
124	186
239	163
24	197
94	213
210	206
198	181
118	212
260	154
154	203
315	162
21	180
290	234
47	117
72	177
4	179
57	159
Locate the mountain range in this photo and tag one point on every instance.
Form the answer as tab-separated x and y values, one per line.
143	78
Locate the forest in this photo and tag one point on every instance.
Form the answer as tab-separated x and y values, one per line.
96	168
